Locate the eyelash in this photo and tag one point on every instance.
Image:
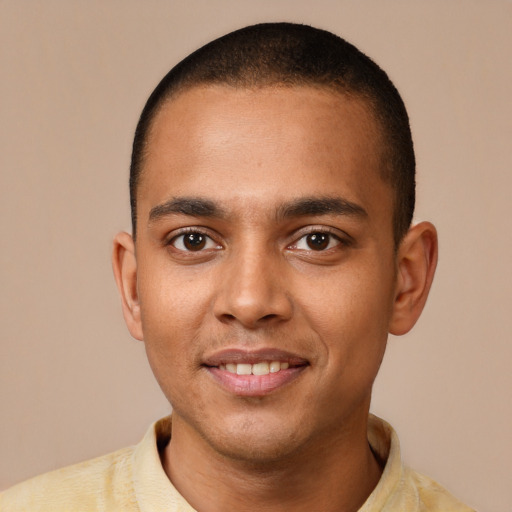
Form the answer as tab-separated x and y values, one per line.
192	231
312	230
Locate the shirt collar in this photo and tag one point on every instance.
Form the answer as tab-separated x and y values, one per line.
154	491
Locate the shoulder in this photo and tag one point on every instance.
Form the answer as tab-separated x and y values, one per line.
103	483
431	496
401	488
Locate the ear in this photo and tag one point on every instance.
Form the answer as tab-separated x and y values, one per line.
416	262
125	271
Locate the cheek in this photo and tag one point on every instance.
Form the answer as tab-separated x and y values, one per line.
350	313
172	313
348	298
169	328
172	300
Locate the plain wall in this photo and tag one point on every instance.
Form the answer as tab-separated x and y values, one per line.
75	76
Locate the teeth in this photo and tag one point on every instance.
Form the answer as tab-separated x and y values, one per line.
243	369
262	368
275	366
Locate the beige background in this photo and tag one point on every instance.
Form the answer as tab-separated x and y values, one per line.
74	76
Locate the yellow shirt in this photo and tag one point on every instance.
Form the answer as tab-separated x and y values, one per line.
133	480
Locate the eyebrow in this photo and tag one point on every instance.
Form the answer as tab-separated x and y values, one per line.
309	206
301	207
193	206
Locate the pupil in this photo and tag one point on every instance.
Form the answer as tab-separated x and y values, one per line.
318	241
194	241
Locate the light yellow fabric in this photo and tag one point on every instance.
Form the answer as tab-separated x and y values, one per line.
133	480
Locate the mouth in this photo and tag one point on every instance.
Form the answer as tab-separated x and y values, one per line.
256	373
261	368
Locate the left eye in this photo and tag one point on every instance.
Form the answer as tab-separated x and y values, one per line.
193	241
317	241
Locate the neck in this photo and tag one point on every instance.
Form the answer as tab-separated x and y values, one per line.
336	474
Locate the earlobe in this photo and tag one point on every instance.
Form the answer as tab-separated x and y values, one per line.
416	261
124	265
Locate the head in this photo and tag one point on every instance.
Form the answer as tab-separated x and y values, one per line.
272	189
286	55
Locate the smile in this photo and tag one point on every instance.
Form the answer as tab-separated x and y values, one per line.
262	368
254	373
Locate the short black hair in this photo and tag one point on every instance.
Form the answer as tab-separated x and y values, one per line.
288	54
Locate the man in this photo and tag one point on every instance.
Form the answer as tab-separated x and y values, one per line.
272	192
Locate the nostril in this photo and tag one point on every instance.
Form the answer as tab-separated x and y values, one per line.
227	317
251	322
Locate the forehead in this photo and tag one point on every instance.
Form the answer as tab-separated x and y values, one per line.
268	144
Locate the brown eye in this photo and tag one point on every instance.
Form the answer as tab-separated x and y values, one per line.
194	241
318	241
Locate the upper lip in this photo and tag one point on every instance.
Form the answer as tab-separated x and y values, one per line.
241	356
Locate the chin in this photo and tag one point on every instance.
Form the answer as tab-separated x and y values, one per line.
254	440
262	449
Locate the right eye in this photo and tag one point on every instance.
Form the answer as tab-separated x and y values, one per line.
193	241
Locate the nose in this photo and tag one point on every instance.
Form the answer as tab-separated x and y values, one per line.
253	291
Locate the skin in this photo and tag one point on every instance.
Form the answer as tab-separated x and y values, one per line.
257	284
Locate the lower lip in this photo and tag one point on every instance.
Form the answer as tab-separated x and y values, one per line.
254	385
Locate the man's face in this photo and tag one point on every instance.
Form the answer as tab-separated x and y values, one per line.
265	246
